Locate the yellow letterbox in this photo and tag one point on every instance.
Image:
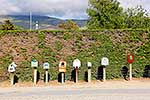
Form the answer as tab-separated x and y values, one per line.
62	66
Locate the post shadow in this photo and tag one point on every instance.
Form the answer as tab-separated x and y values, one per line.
124	72
100	73
16	79
73	75
86	76
45	77
38	76
146	73
59	77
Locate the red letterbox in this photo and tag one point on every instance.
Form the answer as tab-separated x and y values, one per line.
130	58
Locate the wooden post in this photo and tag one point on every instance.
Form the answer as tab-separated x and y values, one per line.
46	76
89	74
12	78
130	72
35	76
104	74
76	76
62	78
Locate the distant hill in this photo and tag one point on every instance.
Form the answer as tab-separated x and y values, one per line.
44	21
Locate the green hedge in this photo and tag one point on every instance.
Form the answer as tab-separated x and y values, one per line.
86	45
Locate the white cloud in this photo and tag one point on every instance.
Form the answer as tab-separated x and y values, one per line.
7	7
134	3
58	8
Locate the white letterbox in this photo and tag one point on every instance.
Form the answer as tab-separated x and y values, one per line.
46	65
104	61
34	63
89	64
76	63
12	67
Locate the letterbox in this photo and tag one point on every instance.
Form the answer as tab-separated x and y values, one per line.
62	66
104	61
130	58
12	67
34	63
46	65
76	63
89	64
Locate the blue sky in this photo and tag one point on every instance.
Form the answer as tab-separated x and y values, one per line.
58	8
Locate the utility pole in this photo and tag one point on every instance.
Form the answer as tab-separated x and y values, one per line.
30	20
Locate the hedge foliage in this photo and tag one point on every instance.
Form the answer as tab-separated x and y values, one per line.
53	46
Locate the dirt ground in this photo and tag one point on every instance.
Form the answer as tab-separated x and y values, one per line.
112	84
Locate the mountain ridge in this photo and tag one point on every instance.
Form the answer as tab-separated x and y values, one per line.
23	20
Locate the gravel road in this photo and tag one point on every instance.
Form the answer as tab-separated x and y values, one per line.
116	90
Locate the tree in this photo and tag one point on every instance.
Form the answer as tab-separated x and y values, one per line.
137	18
108	14
69	25
105	14
8	25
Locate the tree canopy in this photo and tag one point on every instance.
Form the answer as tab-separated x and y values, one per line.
109	14
8	25
137	18
69	25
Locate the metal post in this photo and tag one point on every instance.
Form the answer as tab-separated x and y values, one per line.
35	76
12	78
62	77
130	71
76	76
89	74
104	74
46	75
